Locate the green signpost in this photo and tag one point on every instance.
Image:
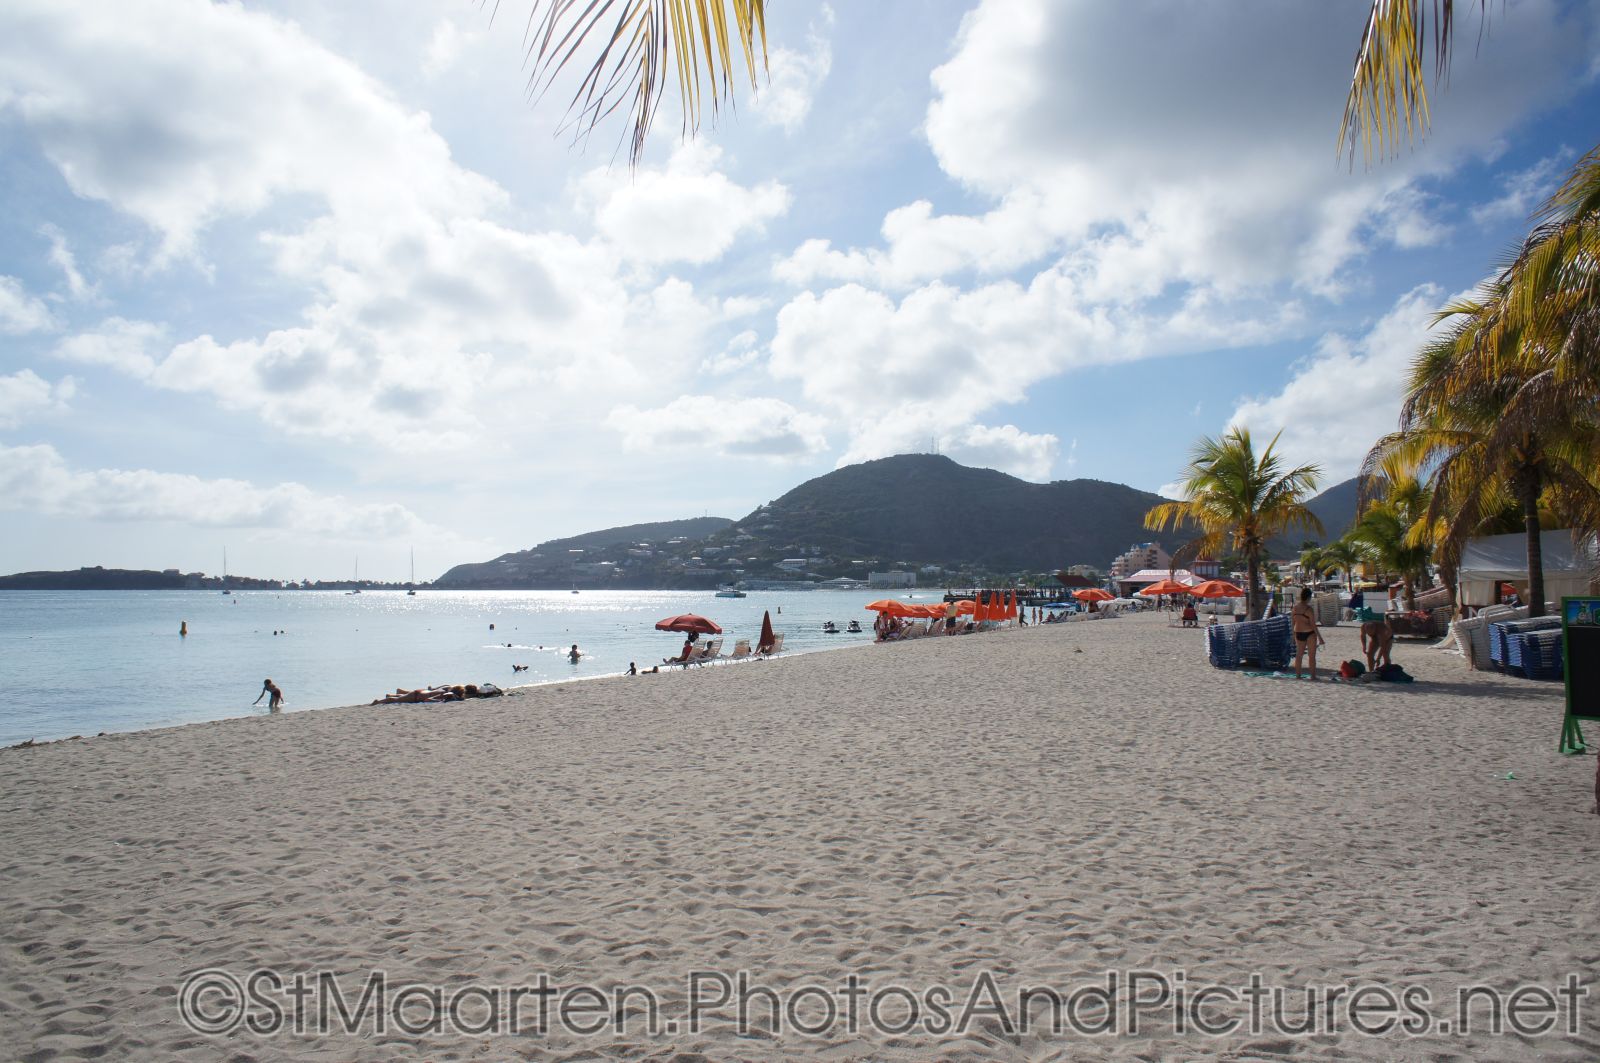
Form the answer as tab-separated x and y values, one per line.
1580	633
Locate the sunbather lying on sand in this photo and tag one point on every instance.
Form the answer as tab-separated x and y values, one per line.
423	694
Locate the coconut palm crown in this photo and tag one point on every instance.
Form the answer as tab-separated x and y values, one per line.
1239	500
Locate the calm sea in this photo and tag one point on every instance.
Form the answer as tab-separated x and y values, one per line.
82	662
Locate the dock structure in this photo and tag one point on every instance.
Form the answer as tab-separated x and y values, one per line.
1027	597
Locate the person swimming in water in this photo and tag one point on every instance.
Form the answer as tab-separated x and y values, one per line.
573	654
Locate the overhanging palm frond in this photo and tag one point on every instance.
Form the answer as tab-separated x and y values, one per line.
1388	88
696	38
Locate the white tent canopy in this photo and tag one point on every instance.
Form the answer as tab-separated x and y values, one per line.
1504	559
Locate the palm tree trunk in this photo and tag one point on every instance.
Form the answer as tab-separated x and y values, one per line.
1253	592
1528	490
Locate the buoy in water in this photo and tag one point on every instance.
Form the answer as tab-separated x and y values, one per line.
183	628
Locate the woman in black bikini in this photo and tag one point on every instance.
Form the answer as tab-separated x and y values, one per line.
1304	618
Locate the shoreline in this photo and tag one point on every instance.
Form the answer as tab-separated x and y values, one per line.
1045	807
509	692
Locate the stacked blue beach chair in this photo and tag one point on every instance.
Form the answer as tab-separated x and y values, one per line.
1263	643
1537	654
1506	649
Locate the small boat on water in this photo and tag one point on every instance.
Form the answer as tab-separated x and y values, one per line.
830	628
854	628
730	592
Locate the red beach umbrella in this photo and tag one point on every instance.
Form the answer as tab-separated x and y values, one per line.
1216	588
687	622
765	642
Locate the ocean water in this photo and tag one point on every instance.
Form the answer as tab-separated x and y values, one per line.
82	662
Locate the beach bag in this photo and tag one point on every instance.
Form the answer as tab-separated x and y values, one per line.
1393	673
1351	669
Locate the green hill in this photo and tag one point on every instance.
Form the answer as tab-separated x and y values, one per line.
926	509
559	562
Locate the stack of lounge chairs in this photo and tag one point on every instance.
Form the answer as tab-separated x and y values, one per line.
1541	653
1265	643
1506	644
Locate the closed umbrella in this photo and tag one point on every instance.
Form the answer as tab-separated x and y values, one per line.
765	643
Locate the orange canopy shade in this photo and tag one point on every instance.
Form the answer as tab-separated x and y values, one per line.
1216	588
1091	594
893	607
1166	586
966	607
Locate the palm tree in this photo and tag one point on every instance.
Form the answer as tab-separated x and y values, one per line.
1313	562
1393	532
1504	408
1239	501
696	40
1343	554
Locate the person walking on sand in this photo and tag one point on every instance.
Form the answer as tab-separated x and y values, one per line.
275	702
1304	618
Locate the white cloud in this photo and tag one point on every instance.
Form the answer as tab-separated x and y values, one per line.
21	312
25	395
685	212
446	45
940	357
1523	190
1007	448
62	258
131	347
38	479
429	317
794	77
758	427
1341	399
1126	152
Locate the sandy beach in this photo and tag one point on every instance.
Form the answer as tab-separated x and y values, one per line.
1036	807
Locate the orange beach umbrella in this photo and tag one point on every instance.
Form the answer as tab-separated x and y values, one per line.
1092	594
893	607
1216	588
1166	586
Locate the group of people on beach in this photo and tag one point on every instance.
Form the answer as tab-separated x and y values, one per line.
1377	637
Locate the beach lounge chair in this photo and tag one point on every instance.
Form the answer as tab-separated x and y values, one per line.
741	650
712	650
777	646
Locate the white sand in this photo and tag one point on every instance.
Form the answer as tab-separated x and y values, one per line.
913	813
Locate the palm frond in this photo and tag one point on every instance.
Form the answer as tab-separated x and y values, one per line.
1388	88
697	39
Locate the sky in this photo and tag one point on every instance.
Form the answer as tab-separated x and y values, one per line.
323	286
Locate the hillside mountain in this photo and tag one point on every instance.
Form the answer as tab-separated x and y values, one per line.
926	509
1335	507
560	561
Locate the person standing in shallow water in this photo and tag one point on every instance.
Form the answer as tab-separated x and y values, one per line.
275	702
1304	618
